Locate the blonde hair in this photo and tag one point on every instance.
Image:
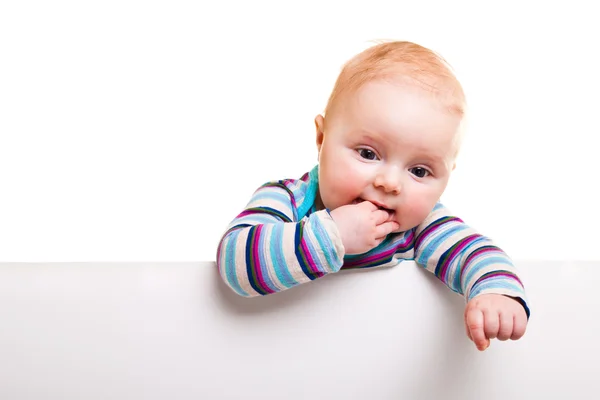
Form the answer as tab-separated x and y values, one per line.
405	62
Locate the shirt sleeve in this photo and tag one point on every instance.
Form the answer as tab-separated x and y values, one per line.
266	249
466	261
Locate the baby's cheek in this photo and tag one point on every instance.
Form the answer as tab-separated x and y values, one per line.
417	210
340	191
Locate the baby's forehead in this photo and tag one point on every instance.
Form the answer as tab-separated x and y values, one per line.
441	94
401	115
393	94
395	97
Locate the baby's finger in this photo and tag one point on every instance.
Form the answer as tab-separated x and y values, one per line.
391	216
474	320
506	326
468	331
519	327
381	231
381	216
491	323
368	205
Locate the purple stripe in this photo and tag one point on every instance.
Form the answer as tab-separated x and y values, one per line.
495	274
463	243
432	227
256	260
400	246
373	259
480	251
310	262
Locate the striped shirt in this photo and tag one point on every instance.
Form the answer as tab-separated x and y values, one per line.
280	240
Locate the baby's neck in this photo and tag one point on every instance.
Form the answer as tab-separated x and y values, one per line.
318	202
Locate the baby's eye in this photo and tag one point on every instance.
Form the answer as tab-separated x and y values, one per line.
419	172
367	154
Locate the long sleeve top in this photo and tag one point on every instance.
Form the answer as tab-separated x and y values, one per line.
280	240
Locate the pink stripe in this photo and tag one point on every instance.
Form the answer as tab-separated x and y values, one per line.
310	261
249	212
370	259
256	260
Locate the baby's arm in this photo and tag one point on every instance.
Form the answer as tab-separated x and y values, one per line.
267	250
472	265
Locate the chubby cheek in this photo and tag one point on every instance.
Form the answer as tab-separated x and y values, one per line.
416	211
418	206
341	183
339	190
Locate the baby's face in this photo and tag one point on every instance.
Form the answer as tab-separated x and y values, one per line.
391	144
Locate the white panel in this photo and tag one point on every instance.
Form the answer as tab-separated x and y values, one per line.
174	331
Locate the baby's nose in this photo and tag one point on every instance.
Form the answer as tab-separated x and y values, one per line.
389	179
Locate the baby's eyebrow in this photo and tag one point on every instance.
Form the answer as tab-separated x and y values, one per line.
433	162
369	136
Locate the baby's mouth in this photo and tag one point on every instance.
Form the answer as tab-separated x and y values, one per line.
359	200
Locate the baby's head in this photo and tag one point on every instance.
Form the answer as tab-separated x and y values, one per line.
391	132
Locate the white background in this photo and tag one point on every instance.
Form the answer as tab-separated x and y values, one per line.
136	130
158	331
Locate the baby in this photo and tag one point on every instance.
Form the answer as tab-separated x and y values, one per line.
387	144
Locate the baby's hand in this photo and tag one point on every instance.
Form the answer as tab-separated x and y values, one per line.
362	226
490	316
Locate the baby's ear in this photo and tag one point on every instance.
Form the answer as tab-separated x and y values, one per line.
320	126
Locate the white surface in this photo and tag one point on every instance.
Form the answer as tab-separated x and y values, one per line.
135	131
174	331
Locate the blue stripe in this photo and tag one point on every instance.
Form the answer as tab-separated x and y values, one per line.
439	238
273	212
263	216
483	261
230	262
312	250
326	244
310	193
495	283
283	198
255	219
402	244
457	263
452	271
278	258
